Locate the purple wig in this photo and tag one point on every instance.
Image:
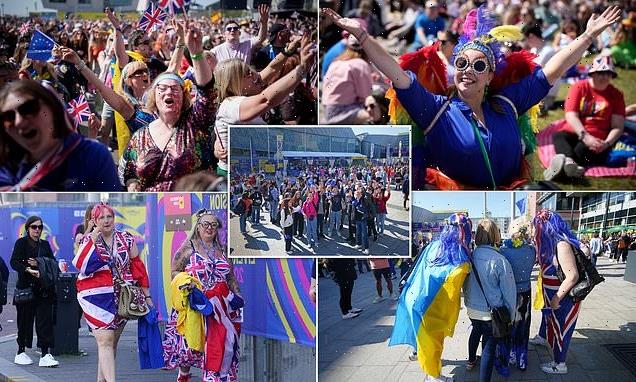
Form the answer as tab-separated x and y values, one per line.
549	230
454	241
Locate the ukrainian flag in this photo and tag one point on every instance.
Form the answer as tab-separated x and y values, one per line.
428	308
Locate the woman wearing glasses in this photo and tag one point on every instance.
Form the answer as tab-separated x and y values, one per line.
204	258
39	149
26	251
477	118
104	255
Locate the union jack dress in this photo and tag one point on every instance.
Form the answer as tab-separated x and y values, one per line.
560	323
97	294
212	272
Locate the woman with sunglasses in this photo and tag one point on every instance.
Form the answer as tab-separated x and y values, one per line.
204	258
39	149
24	260
473	120
105	256
179	142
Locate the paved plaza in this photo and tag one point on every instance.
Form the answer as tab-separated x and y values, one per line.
356	350
266	239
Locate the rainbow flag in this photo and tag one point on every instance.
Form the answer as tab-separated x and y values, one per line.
428	308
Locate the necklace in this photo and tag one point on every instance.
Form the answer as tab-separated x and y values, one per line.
208	250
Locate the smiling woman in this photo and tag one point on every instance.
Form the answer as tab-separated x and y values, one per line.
39	149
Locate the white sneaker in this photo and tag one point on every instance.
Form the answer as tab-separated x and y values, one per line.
350	315
378	299
538	341
355	310
366	251
554	368
413	356
22	359
555	168
572	169
48	361
358	246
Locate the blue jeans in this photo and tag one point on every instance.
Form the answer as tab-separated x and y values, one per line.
256	214
483	330
334	222
312	233
380	222
273	211
243	222
362	236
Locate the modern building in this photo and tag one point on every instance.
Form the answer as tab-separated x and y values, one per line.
77	6
381	146
607	212
566	204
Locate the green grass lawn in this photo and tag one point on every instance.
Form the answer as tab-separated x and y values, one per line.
626	82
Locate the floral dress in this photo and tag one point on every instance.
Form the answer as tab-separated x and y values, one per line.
211	271
190	149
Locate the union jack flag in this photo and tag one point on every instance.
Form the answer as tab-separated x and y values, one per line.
174	6
152	17
95	292
24	28
79	110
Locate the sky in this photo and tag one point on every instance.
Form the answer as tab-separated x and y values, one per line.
388	130
472	201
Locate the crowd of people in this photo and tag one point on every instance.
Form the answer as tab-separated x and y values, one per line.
320	202
495	276
159	101
456	82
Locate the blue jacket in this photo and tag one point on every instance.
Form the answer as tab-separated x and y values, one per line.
149	341
521	260
496	278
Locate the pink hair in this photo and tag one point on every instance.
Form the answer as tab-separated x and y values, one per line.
98	210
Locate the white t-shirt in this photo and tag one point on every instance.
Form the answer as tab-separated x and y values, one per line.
228	114
242	50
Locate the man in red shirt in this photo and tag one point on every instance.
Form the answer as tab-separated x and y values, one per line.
594	118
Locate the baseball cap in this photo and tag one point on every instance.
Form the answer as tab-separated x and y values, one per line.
432	4
199	302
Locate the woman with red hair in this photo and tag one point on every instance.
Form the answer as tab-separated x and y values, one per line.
104	256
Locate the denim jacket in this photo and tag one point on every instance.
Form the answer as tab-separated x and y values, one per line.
496	278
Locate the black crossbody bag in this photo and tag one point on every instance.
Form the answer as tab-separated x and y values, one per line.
25	295
501	322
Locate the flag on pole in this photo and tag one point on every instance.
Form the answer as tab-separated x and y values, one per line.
251	155
400	149
216	17
79	110
41	47
521	206
24	28
174	7
152	17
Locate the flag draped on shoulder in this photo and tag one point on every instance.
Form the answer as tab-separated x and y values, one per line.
153	17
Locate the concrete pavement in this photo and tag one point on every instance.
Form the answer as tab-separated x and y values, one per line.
267	240
356	350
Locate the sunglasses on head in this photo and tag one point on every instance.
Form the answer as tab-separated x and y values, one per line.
232	29
479	66
36	226
28	109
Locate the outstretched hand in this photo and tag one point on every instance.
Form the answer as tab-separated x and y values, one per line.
598	23
113	19
263	12
67	54
194	39
350	25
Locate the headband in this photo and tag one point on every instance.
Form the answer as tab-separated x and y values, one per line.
169	76
480	46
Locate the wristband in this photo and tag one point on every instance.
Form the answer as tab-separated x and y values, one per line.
81	65
197	56
180	46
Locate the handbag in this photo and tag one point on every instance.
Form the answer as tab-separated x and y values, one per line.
501	322
132	300
23	295
588	275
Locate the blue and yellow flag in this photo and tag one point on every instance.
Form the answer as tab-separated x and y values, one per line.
428	308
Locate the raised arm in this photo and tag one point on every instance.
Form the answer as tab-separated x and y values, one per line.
193	40
115	100
263	11
572	53
120	47
381	58
274	68
276	93
177	54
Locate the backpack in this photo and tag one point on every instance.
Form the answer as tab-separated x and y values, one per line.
239	208
588	275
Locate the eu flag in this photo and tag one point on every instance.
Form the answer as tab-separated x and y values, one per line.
41	47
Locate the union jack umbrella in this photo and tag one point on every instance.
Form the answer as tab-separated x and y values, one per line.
174	6
152	17
79	110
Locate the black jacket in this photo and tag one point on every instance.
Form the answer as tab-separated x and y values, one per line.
4	280
344	269
49	272
24	249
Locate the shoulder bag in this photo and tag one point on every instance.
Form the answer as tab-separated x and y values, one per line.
24	295
501	322
588	275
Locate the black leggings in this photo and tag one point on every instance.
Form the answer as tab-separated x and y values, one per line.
299	224
346	289
288	233
569	145
43	312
